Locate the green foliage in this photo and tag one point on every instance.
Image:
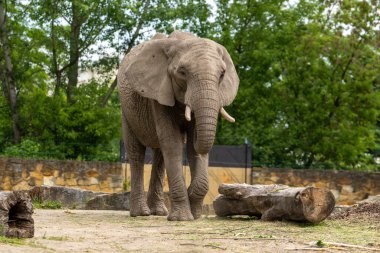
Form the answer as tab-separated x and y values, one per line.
27	148
309	76
42	43
307	96
126	185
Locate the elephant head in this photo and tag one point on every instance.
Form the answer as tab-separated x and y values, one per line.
184	70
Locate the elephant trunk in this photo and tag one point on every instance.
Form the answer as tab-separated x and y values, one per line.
206	108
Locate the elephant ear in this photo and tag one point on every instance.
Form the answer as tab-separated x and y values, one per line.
229	85
147	71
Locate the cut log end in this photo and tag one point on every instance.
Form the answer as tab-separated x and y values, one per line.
16	211
317	203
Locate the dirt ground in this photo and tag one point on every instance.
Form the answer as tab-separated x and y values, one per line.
114	231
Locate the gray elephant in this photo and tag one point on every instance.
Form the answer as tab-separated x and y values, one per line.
172	90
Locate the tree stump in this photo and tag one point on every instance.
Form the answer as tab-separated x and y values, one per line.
274	202
16	211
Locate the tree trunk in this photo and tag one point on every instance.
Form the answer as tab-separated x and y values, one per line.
109	93
275	202
55	67
16	211
9	77
74	51
4	85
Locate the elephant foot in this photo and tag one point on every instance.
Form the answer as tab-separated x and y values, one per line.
158	209
180	215
139	209
196	207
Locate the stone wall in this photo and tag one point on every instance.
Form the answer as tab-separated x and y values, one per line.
348	187
22	174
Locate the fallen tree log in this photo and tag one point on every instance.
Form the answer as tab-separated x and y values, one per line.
274	202
16	211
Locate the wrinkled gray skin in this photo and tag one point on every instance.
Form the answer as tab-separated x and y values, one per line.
156	81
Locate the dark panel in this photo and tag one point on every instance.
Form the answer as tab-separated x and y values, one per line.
219	156
230	156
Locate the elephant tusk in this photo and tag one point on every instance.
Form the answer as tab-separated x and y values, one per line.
226	115
188	113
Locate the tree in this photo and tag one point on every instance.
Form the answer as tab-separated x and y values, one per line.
306	96
74	26
8	80
56	41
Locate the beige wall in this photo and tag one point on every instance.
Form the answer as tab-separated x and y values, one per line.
216	175
22	174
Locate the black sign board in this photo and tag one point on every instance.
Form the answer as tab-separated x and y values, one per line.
220	156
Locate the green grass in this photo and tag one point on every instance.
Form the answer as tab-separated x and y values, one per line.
50	204
20	242
320	244
14	241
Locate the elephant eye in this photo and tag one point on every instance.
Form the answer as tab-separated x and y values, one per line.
181	71
222	76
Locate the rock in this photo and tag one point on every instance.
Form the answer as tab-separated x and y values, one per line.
68	197
338	209
114	201
16	211
81	199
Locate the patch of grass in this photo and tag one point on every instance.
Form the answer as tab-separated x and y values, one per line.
8	240
215	245
50	204
194	237
264	236
309	224
56	238
126	185
349	232
320	244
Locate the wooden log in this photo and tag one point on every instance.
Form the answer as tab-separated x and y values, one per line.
16	211
274	202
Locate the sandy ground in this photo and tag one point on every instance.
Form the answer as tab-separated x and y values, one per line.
114	231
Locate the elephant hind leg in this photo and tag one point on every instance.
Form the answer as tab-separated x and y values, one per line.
136	155
156	186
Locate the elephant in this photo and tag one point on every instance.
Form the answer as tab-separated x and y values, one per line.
172	89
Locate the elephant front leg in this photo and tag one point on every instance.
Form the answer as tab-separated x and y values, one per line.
171	144
180	206
156	186
136	154
199	176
